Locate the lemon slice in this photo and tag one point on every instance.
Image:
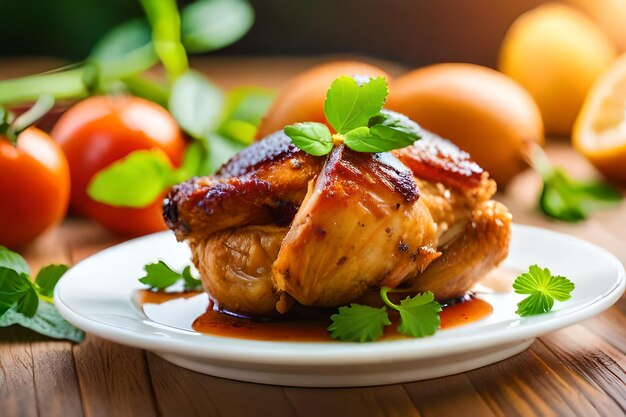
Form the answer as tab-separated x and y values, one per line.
600	129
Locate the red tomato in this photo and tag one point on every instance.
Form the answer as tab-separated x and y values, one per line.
101	130
34	187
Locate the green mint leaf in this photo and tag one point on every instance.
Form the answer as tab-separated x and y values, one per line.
242	114
13	260
196	104
419	315
566	199
543	289
313	138
134	181
160	276
349	105
48	277
46	320
395	127
378	138
213	24
191	283
165	23
125	50
358	323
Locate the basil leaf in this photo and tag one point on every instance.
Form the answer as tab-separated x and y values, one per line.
194	161
134	181
213	24
196	104
313	138
349	105
47	278
13	260
17	290
46	321
125	50
244	109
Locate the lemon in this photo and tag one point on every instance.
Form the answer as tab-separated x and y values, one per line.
556	53
600	130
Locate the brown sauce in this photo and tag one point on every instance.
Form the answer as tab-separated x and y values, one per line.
194	311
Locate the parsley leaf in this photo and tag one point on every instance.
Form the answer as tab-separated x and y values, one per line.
543	288
358	323
313	138
419	314
160	276
349	105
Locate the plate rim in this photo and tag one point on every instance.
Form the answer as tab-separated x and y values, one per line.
342	353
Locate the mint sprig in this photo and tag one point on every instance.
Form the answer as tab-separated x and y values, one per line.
354	109
29	303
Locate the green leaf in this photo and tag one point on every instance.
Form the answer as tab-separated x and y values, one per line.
145	88
543	289
134	181
125	50
13	260
358	323
419	315
160	276
48	277
363	139
196	104
221	150
165	23
242	114
350	105
46	321
194	161
16	290
566	199
191	283
313	138
28	303
213	24
394	127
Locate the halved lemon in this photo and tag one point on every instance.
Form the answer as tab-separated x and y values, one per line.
600	129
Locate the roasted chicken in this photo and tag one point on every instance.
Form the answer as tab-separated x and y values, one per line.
276	226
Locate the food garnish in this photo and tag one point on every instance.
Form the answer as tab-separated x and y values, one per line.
566	199
543	288
29	304
419	317
160	276
354	109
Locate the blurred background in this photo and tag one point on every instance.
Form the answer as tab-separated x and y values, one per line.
411	32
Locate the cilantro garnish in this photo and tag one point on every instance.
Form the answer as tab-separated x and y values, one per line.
543	288
419	317
354	109
160	276
29	303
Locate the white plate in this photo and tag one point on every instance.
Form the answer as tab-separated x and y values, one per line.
95	295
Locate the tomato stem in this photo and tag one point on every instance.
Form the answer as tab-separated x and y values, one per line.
60	85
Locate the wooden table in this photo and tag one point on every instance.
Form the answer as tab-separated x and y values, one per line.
578	371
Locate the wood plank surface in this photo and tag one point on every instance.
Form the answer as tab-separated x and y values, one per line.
577	371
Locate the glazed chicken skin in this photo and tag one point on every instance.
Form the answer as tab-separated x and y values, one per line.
276	226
